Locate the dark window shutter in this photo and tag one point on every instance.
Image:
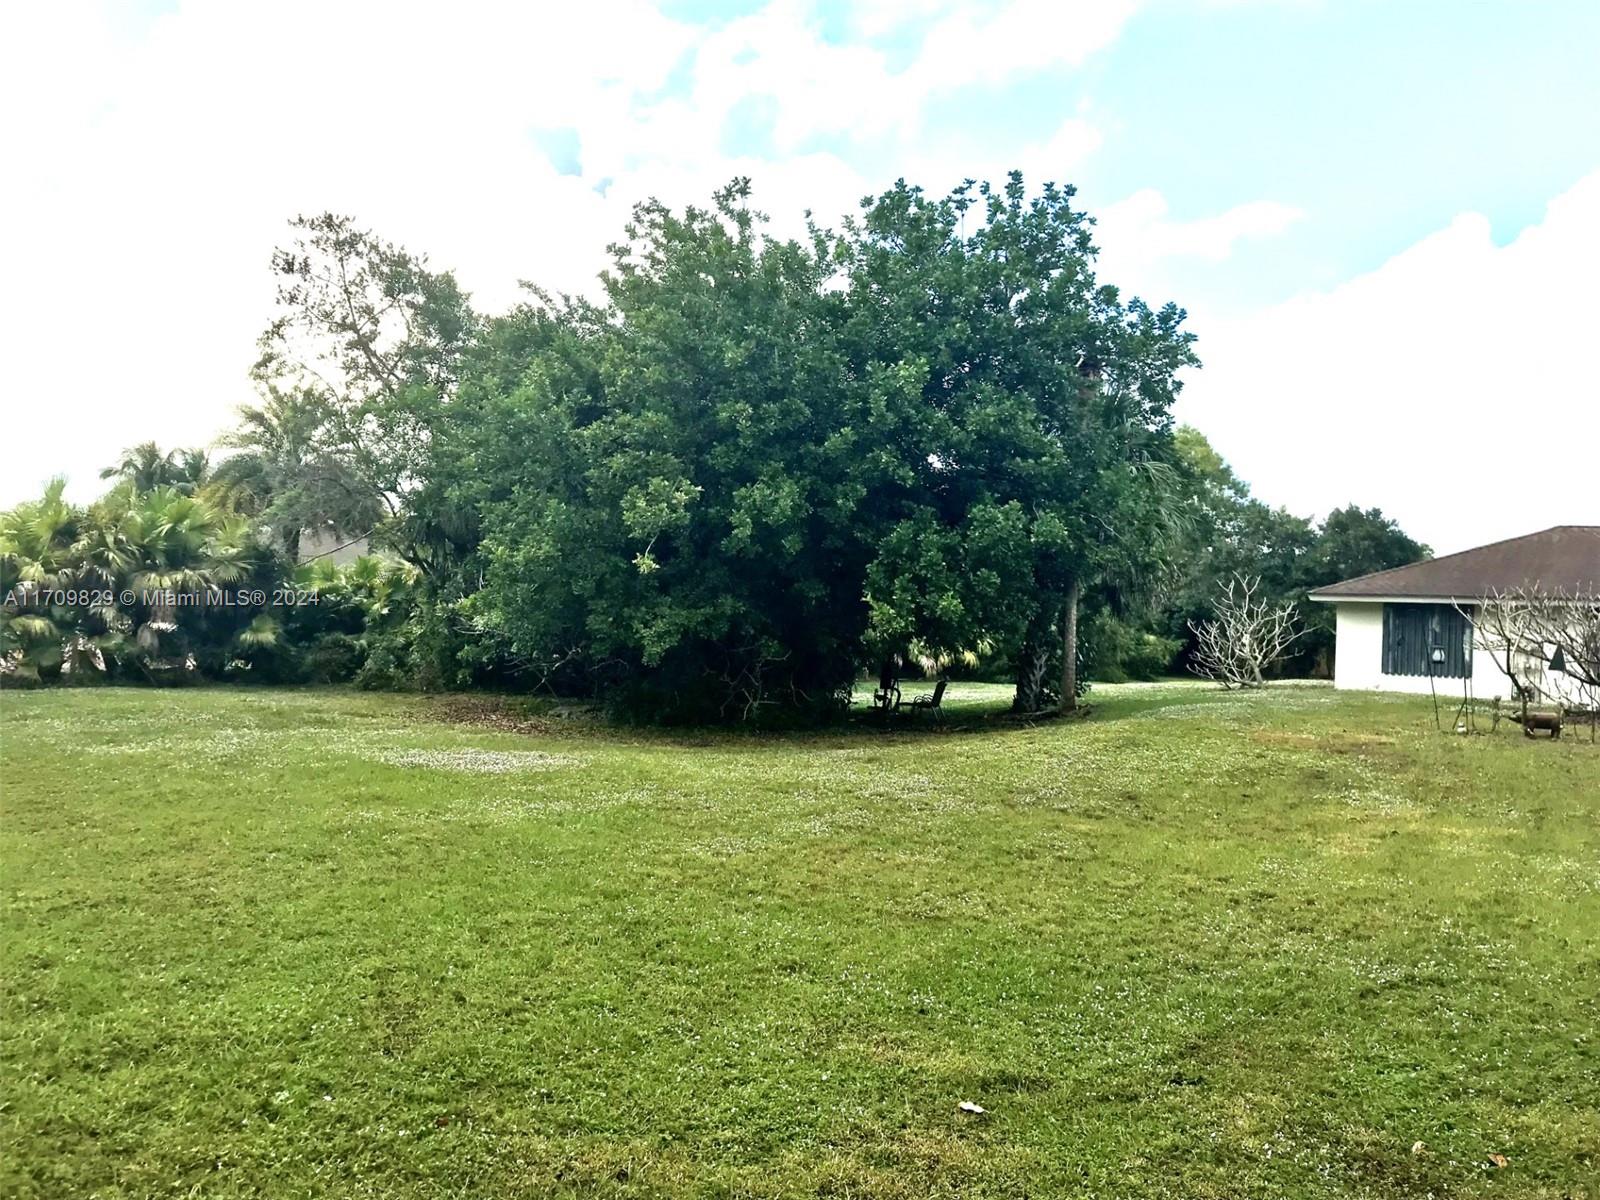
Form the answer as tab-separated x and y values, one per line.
1411	633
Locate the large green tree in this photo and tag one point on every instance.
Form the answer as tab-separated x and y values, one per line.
1354	541
759	462
1020	410
670	498
1231	533
371	341
1351	541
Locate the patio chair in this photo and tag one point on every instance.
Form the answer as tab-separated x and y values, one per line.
933	702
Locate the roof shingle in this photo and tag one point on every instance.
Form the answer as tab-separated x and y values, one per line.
1566	557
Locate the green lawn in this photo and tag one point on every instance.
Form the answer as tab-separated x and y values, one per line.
301	943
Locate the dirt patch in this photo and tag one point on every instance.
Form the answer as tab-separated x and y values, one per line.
509	714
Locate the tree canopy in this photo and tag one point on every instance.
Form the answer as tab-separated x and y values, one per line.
759	463
745	471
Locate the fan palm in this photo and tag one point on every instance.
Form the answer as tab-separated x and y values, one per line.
37	563
380	583
36	540
163	545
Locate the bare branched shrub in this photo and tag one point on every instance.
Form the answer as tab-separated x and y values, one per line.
1546	642
1500	629
1245	637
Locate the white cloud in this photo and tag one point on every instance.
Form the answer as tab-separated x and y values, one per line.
1072	142
1135	236
824	87
153	167
153	175
876	18
1027	35
1455	386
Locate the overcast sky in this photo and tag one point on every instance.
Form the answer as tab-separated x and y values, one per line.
1383	217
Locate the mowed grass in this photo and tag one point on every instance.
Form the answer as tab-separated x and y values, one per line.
304	943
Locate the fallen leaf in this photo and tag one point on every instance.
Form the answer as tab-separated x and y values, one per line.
1499	1160
969	1106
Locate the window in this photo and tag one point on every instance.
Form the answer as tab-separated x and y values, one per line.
1411	632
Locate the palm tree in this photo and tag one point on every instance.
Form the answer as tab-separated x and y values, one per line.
165	547
37	564
144	467
286	474
191	471
383	585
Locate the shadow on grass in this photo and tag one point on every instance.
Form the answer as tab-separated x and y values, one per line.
969	709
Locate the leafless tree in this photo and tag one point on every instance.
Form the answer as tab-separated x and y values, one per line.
1499	623
1546	642
1246	636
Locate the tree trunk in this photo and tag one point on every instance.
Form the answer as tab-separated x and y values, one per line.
1031	664
1069	649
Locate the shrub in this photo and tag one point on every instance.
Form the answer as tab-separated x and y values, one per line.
333	658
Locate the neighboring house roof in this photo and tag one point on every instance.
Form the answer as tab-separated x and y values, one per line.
1566	557
324	543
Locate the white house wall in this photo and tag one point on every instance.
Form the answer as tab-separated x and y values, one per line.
319	543
1358	662
1358	650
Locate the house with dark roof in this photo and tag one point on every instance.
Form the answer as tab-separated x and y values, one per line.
1409	629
